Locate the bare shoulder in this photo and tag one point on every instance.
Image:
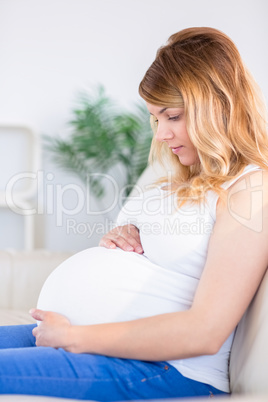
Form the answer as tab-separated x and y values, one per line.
243	217
247	201
237	256
251	182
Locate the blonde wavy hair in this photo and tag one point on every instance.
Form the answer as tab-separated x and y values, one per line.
201	70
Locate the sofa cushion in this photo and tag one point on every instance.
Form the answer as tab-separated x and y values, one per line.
15	317
249	355
5	278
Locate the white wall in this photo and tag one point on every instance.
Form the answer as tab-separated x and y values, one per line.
52	49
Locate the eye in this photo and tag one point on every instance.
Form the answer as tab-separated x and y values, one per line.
174	118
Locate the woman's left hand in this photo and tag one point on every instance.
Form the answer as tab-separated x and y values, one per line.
53	330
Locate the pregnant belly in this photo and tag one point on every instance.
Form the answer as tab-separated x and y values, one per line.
99	285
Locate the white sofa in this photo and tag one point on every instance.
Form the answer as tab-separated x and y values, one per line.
23	273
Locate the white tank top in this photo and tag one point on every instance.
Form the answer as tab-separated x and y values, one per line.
177	241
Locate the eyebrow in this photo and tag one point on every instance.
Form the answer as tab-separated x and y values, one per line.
162	110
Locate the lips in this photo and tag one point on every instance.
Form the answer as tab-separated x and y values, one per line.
175	150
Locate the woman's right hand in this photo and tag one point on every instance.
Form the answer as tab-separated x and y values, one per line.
126	237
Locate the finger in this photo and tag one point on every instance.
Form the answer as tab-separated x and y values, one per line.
132	236
37	314
139	249
35	331
126	237
105	242
135	243
119	241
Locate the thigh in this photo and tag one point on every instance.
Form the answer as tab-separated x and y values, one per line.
55	372
16	336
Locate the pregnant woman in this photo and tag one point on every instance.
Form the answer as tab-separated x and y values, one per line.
152	313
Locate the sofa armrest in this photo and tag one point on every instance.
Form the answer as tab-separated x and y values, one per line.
249	354
22	274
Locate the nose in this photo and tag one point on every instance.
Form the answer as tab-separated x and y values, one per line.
163	133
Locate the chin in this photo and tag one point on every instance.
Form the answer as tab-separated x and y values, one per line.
188	163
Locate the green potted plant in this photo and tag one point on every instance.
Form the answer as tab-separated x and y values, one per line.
102	137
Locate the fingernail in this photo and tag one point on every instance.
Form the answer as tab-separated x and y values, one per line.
31	311
129	248
139	249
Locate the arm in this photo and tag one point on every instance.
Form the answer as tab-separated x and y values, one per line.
236	262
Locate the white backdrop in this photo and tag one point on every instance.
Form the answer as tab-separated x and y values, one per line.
52	49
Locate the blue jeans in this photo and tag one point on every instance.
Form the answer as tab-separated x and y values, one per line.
27	369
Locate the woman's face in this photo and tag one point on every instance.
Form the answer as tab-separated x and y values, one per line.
171	128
